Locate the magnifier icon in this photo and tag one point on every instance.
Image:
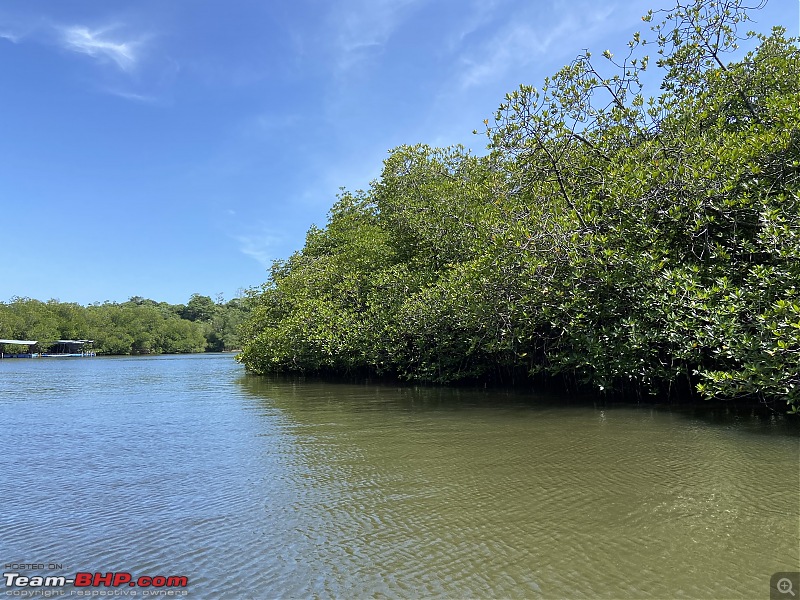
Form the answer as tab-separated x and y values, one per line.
784	586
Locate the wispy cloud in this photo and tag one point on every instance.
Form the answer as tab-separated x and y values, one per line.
364	26
107	44
11	37
522	41
477	15
261	247
131	96
16	30
519	43
100	45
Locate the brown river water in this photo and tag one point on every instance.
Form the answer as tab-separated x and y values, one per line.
253	487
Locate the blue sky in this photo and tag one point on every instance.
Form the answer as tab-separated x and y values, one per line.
162	148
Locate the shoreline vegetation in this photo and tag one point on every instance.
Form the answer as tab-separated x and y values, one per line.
138	326
610	240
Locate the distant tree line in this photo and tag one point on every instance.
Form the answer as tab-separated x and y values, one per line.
611	240
138	326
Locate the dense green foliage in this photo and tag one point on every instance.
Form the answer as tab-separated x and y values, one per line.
138	326
612	240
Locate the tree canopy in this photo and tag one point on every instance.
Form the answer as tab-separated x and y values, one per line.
138	326
626	242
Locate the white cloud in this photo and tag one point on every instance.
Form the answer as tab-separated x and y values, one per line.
106	45
477	16
524	40
364	26
131	96
260	246
98	44
517	44
11	37
16	30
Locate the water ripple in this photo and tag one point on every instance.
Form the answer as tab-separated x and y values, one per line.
265	489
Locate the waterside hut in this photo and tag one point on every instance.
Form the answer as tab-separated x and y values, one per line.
71	348
6	352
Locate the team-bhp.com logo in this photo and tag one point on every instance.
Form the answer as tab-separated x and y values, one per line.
82	579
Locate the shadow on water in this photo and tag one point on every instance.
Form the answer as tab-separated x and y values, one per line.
287	391
470	492
293	488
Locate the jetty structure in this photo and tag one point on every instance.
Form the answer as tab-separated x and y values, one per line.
70	348
61	348
27	344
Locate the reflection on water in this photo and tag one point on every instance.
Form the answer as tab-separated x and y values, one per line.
264	488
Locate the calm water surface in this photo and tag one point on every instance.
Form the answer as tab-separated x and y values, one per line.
257	488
